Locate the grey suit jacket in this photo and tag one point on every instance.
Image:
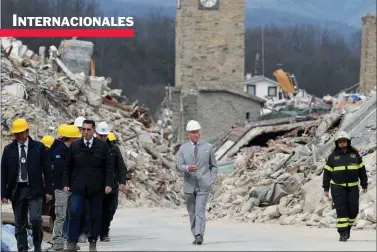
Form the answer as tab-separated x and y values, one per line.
206	174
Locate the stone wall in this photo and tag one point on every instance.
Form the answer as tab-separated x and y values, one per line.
190	112
368	54
216	111
219	111
210	45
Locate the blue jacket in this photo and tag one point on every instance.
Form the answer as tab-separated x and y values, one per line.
58	160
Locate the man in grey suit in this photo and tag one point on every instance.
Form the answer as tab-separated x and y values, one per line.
196	160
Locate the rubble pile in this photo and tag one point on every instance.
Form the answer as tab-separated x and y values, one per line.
281	181
48	91
165	117
300	100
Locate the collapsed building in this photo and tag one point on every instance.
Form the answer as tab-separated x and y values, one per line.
54	87
272	168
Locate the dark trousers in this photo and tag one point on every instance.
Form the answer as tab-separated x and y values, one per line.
65	229
49	209
77	210
22	204
346	201
109	207
85	219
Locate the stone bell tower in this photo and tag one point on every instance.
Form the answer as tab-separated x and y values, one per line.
209	68
368	54
210	43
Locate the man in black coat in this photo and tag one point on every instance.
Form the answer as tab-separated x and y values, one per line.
88	174
110	201
25	181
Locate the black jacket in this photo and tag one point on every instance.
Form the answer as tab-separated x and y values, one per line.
39	169
50	152
345	169
88	170
58	160
54	145
120	169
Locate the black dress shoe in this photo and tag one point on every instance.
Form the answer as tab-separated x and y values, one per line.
105	238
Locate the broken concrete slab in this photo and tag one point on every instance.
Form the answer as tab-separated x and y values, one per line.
329	121
15	89
22	50
97	84
76	55
256	131
42	55
357	119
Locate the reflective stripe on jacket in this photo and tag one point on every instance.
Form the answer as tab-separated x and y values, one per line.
344	169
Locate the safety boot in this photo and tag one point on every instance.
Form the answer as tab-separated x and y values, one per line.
71	247
343	237
348	234
56	246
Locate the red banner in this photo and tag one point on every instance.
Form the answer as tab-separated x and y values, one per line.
92	33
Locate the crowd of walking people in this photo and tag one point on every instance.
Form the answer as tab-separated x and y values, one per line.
79	172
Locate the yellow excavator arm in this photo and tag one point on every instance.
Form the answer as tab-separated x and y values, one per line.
286	81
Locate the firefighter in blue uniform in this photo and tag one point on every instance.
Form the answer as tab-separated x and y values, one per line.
342	172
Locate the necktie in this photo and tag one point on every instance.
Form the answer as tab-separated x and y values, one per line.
196	151
88	144
23	163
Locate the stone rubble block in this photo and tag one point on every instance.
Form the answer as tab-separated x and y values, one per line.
76	55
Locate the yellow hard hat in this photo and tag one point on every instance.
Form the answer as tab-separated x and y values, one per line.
71	131
19	125
342	135
48	141
61	129
111	136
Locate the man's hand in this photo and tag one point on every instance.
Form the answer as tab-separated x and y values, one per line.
364	191
4	200
327	194
122	188
129	176
48	198
108	189
66	189
192	168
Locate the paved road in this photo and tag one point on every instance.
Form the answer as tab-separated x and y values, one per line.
163	230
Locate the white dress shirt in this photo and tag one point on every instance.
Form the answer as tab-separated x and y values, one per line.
90	142
19	155
193	146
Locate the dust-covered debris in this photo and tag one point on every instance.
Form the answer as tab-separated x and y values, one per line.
277	173
50	90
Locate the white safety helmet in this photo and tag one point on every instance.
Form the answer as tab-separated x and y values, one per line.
193	125
102	128
79	121
342	135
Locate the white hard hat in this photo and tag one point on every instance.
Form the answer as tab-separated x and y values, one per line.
342	135
102	128
193	125
79	121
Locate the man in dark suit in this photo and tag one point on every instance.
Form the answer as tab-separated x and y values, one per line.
110	201
23	165
88	174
